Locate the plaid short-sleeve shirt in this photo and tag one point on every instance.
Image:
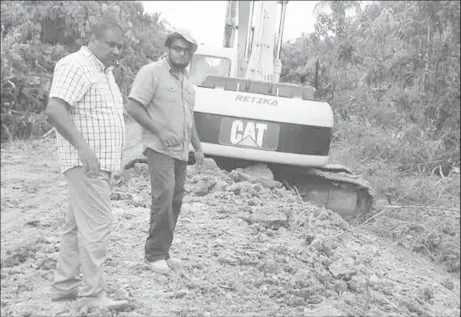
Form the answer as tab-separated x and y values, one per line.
96	109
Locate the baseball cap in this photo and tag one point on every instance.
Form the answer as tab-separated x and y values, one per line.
184	34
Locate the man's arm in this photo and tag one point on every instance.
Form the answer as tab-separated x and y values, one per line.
58	114
140	114
195	139
142	92
198	154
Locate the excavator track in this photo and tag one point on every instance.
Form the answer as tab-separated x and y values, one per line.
333	186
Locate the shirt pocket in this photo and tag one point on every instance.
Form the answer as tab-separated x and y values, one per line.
169	92
101	98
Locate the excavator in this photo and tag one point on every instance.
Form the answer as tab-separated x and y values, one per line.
245	116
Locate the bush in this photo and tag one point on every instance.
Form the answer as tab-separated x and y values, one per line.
393	73
36	34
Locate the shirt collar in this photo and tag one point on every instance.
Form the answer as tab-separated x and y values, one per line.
170	67
97	62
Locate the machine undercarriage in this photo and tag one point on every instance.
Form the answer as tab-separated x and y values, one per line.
333	186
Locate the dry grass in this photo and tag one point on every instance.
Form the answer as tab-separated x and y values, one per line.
402	169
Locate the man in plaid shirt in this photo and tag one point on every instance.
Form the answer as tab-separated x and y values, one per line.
86	108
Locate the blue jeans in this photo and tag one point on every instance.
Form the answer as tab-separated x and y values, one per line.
168	176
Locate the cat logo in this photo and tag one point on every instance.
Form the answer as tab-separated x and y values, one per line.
247	134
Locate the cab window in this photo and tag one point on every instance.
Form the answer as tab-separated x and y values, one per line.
203	65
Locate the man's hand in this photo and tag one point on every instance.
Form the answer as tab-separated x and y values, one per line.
90	162
169	138
57	112
199	158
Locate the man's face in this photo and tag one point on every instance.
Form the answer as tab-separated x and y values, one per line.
180	53
109	46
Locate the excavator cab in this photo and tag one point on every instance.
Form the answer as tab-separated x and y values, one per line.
281	90
203	66
215	61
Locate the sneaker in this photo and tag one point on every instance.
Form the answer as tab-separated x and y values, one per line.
159	266
104	302
57	295
174	263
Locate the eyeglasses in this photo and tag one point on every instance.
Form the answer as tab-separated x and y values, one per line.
118	45
178	49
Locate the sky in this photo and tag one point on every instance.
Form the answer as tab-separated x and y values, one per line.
205	19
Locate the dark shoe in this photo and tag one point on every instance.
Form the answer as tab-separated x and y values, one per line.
104	302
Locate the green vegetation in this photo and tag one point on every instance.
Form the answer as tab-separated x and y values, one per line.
36	34
391	73
394	70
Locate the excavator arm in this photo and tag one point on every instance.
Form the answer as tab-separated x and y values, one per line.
245	18
261	60
255	45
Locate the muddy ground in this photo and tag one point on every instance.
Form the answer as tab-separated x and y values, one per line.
241	257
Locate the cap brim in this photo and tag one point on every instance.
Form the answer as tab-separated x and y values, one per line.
188	39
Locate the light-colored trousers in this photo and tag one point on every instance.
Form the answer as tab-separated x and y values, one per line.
85	235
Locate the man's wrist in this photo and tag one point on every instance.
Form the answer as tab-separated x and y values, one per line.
82	146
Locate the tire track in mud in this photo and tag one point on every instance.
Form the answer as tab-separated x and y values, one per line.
230	267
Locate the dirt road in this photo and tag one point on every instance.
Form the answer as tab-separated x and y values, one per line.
232	267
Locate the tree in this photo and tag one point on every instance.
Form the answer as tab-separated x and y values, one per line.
35	34
395	63
339	9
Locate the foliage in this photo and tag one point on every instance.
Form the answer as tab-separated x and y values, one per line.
395	69
394	64
35	34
